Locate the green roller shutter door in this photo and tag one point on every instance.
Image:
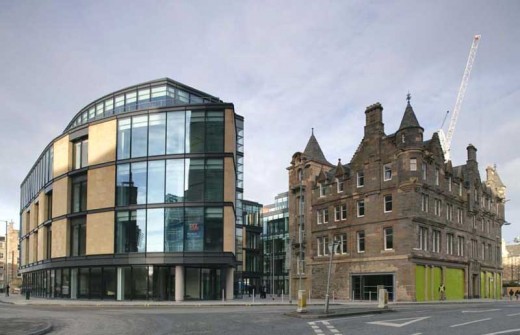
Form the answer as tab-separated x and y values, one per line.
454	284
420	283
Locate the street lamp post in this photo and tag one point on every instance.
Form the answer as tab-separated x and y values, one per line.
332	247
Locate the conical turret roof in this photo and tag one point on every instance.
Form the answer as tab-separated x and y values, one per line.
313	150
409	119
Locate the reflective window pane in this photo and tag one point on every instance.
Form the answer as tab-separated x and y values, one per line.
123	186
120	100
99	109
131	231
214	186
194	180
131	97
144	94
156	182
174	229
139	136
138	183
194	228
79	193
155	230
123	139
158	92
215	131
109	106
175	133
174	180
183	97
157	140
78	236
194	132
214	231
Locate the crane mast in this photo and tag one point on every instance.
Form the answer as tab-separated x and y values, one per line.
446	140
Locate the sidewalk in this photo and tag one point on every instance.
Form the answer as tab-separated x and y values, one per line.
19	299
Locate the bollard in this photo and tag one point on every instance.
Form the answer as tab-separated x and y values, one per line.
254	295
333	296
223	296
382	298
309	296
282	296
302	304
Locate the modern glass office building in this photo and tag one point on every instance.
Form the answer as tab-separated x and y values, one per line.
136	199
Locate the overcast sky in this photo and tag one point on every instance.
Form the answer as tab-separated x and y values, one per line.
287	66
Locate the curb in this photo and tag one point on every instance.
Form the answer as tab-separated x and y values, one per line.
336	315
42	331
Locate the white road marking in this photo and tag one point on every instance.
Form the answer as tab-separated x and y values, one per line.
353	317
513	314
417	334
330	328
396	323
467	323
504	332
482	310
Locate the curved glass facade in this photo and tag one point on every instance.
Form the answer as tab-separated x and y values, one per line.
137	206
157	94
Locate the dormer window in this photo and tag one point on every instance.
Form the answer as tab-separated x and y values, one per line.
322	190
403	138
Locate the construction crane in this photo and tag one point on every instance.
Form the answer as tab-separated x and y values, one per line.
446	139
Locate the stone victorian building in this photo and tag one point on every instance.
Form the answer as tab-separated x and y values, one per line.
399	216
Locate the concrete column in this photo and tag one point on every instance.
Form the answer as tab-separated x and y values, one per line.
229	283
120	284
179	283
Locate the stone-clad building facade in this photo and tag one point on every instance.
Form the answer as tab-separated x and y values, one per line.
399	216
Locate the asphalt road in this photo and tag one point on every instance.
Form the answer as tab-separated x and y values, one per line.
446	319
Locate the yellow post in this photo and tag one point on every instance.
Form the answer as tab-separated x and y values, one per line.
302	302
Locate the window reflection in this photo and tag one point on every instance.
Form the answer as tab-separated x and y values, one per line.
138	180
157	133
131	231
194	180
174	181
195	131
124	190
175	133
123	139
155	230
194	228
139	136
156	182
174	229
214	180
